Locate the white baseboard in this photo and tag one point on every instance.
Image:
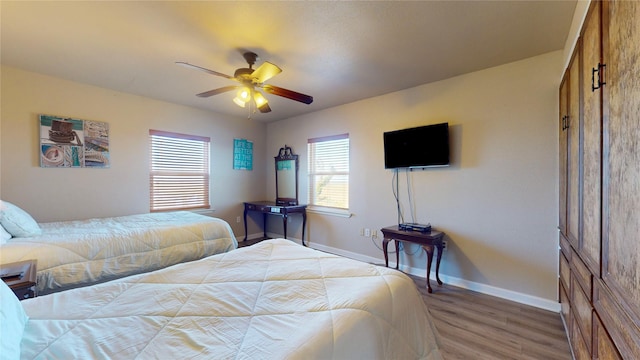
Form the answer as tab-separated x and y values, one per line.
526	299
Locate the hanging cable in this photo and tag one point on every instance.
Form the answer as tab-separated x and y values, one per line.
402	248
396	195
380	247
410	195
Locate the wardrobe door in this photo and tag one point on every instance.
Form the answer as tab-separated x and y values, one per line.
562	159
591	139
621	171
573	150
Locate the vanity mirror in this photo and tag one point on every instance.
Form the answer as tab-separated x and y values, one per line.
286	177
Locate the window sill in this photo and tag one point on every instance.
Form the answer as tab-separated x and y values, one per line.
207	212
329	211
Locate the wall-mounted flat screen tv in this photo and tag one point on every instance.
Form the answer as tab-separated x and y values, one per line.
424	146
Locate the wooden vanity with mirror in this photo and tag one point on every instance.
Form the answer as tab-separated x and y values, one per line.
286	202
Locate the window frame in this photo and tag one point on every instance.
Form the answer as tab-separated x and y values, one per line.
197	175
312	173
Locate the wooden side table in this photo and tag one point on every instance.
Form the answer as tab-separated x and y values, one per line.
427	240
20	277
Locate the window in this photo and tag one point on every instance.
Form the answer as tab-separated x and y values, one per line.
329	171
179	171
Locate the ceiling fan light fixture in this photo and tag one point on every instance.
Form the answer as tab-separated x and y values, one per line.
259	99
251	79
243	96
238	101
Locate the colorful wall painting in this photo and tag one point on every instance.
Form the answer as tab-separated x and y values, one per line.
73	143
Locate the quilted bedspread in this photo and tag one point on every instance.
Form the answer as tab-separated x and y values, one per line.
272	300
77	253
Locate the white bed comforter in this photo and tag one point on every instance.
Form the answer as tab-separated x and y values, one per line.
272	300
77	253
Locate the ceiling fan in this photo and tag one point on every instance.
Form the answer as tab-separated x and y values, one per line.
250	81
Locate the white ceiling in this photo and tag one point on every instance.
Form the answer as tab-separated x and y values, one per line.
338	52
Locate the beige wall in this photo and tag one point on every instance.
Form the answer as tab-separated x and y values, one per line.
498	200
64	194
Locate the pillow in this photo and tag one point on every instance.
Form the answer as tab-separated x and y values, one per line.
17	222
12	322
4	235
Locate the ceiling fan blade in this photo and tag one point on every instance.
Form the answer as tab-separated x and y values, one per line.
218	91
264	108
265	72
289	94
191	66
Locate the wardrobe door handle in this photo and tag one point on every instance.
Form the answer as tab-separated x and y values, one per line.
565	122
600	71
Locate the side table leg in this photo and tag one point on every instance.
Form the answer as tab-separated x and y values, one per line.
284	225
264	225
429	250
440	248
397	254
385	242
304	225
245	224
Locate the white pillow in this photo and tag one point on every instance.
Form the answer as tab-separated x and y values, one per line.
17	222
4	235
12	322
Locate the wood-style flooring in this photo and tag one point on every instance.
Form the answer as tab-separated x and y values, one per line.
249	242
476	326
472	325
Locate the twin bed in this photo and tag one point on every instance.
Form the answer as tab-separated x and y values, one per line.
272	300
84	252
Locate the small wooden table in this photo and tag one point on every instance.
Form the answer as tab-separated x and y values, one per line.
20	277
271	208
428	240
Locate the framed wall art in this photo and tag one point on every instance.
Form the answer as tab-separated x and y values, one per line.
242	154
73	143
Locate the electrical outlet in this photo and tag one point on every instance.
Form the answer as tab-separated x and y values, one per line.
444	245
238	219
367	232
374	234
361	231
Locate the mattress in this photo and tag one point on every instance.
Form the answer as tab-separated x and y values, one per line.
272	300
78	253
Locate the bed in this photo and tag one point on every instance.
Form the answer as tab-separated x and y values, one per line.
71	254
272	300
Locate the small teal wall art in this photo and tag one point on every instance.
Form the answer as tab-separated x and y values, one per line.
242	154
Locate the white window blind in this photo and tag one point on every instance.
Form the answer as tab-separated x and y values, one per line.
179	171
329	171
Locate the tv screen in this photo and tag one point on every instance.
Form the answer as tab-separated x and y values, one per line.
422	146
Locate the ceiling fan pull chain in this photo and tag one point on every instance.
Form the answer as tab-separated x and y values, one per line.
251	109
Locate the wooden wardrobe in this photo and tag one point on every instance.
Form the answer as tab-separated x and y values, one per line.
599	219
